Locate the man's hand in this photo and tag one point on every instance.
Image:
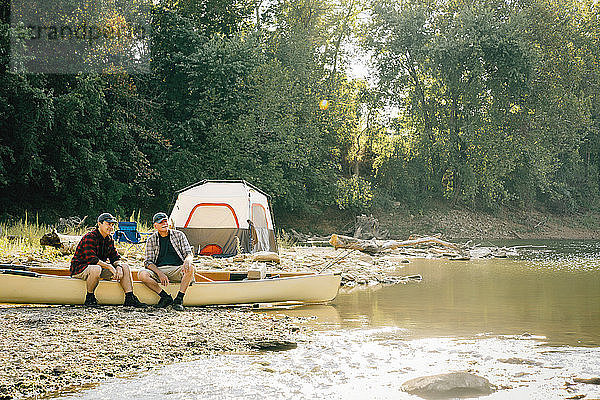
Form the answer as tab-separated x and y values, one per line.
112	270
187	267
118	275
164	280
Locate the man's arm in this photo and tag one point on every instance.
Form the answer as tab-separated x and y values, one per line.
164	279
189	254
87	250
151	250
115	259
187	263
116	271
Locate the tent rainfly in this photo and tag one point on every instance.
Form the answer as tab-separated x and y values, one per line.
224	218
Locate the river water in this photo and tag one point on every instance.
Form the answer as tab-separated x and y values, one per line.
529	324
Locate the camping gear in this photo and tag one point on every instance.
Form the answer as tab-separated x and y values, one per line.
127	233
225	218
29	285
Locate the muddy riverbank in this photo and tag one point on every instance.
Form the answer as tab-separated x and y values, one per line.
457	223
504	224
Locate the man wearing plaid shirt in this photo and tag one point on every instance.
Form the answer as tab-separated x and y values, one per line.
96	258
169	258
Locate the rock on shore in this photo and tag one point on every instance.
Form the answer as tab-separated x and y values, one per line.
46	350
451	385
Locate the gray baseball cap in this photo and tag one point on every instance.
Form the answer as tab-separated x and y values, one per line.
106	217
159	216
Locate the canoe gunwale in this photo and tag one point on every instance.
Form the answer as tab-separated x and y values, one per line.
56	289
32	274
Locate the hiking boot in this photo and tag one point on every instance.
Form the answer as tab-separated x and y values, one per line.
134	302
91	302
178	307
164	302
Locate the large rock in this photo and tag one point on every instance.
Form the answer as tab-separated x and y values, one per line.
452	385
480	252
515	360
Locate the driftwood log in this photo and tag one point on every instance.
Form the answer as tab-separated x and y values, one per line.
65	243
392	244
371	246
347	242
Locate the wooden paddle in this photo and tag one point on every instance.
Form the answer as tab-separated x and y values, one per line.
202	278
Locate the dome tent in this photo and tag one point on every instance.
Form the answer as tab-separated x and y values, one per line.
217	215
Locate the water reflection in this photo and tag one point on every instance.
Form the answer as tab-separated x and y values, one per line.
502	297
363	364
558	299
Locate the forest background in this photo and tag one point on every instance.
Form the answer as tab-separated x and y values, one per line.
478	105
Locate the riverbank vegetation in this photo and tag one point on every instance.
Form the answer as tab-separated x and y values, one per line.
478	105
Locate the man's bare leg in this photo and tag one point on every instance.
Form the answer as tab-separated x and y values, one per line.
93	278
186	279
149	281
126	281
165	298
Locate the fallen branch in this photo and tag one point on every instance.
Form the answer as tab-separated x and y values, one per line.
371	246
347	242
392	244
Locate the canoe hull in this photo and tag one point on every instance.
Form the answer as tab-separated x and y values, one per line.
47	289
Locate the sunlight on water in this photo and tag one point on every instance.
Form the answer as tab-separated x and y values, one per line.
528	325
358	364
562	254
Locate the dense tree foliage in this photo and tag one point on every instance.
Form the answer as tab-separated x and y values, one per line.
482	104
496	100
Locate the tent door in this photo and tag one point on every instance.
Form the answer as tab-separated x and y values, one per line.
262	240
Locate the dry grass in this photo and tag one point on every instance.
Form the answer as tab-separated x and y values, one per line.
284	240
20	241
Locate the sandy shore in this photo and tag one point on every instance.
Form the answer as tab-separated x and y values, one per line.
49	350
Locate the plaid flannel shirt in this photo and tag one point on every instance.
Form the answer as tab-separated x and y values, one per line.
178	240
91	248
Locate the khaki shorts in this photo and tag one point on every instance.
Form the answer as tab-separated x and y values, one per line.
105	274
173	272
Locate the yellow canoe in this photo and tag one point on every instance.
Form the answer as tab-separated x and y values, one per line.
54	286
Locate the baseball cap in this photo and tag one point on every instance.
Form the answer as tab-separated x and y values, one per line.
106	217
159	216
